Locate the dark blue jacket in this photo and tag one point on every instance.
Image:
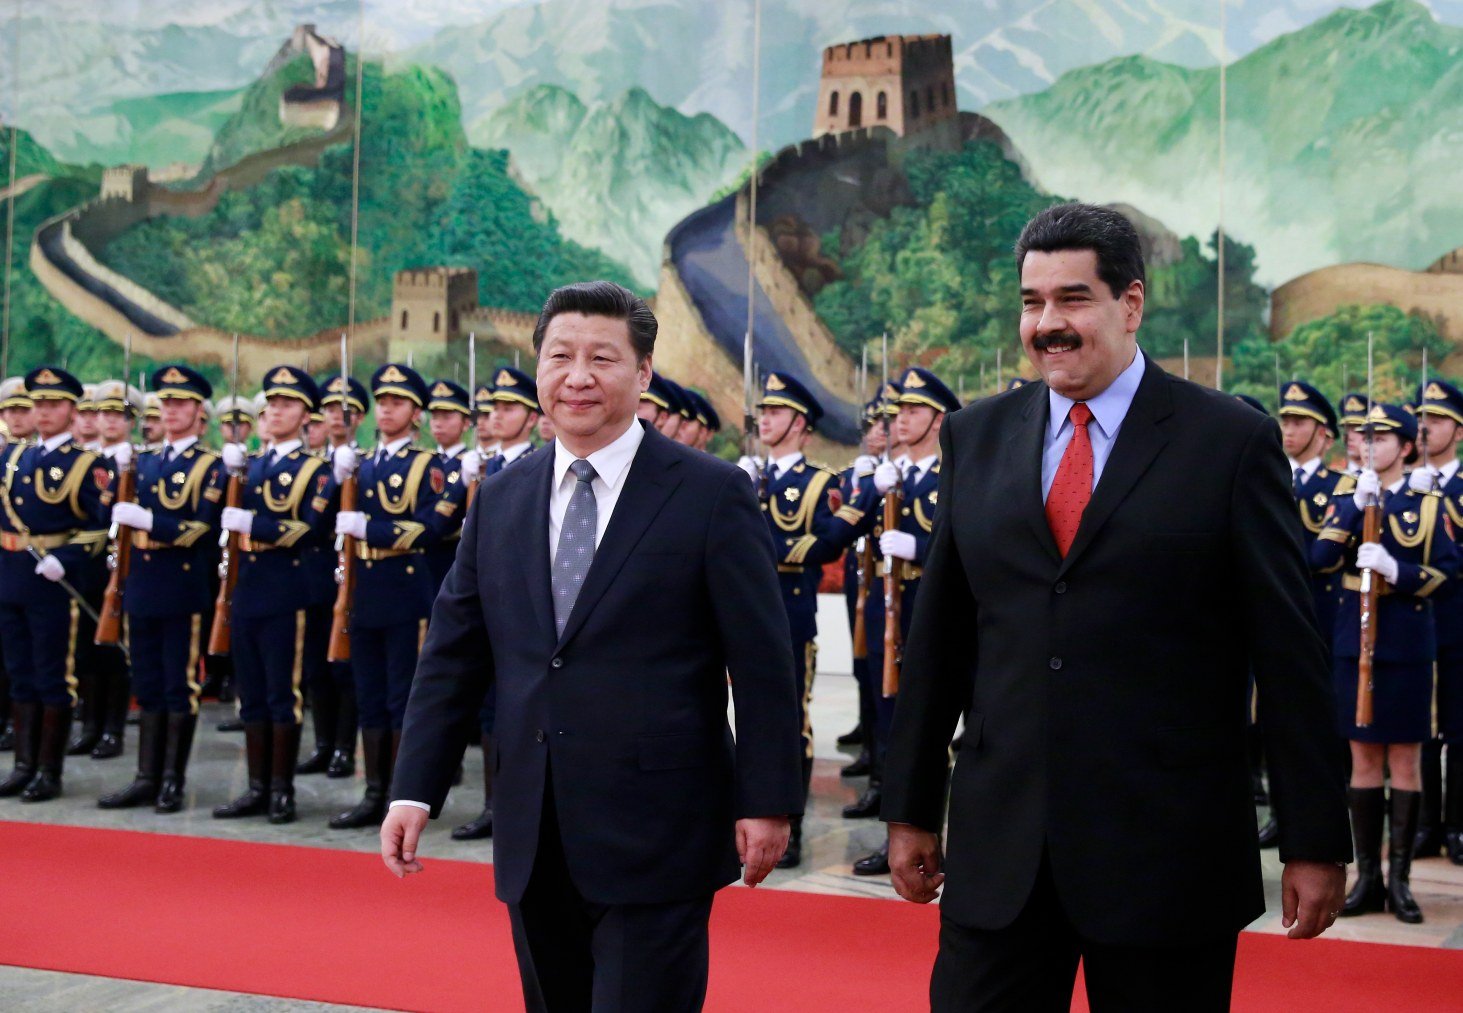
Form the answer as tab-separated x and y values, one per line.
170	568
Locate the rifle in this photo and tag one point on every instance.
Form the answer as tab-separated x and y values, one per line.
472	379
861	603
1371	531
345	568
109	624
1422	428
893	571
220	633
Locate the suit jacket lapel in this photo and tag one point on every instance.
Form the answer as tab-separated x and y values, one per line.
535	566
1138	443
647	487
1024	451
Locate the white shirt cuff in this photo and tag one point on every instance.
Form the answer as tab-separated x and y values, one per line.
407	801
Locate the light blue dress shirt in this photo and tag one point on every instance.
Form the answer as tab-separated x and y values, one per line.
1108	411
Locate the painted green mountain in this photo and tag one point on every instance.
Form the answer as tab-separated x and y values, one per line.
30	157
254	125
274	259
616	174
1342	141
159	130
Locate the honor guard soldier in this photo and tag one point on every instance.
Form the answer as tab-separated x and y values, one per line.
317	436
397	521
924	401
799	500
658	403
285	493
15	409
1353	418
55	497
451	417
515	415
332	689
1440	415
482	406
707	422
179	498
1414	558
84	430
152	422
107	688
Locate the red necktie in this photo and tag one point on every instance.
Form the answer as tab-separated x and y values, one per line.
1072	487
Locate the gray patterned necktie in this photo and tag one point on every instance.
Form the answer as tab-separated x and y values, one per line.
576	544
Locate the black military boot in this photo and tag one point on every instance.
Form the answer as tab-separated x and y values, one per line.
282	786
1429	842
859	767
854	737
793	856
26	718
7	726
323	709
181	728
875	863
1255	748
50	756
255	801
482	825
152	735
1270	833
117	697
1453	805
89	728
1405	807
371	809
867	806
343	758
1368	812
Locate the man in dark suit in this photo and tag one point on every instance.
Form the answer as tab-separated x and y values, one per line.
1115	549
635	575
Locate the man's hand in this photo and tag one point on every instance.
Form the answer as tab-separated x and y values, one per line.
760	844
399	833
1311	894
914	862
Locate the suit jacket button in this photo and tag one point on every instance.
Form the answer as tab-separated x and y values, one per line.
557	663
1061	587
539	736
1056	664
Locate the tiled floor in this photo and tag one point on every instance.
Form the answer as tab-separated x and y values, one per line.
831	845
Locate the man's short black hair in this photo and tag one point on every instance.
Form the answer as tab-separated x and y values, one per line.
1087	227
601	299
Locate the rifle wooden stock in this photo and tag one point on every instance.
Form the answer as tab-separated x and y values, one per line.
220	632
1371	531
861	603
472	491
345	593
893	571
109	626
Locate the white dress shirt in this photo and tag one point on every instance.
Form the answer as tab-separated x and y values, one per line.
1447	471
921	467
611	465
513	453
1307	469
451	452
782	465
390	448
55	441
1108	411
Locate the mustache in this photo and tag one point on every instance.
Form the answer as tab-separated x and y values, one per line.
1044	341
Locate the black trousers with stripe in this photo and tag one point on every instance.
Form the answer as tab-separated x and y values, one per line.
269	654
40	648
165	652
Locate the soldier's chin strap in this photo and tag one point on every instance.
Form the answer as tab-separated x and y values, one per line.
931	425
785	430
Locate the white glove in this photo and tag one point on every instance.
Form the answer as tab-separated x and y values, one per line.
236	456
864	465
130	515
1423	478
886	476
351	522
343	462
1368	490
1371	556
752	467
122	456
50	567
472	466
237	520
899	544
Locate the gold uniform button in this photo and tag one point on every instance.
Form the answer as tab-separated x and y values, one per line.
147	557
905	511
411	569
187	566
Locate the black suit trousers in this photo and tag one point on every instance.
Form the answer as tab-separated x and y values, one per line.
575	955
1030	966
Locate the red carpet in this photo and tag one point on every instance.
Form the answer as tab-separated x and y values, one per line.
313	923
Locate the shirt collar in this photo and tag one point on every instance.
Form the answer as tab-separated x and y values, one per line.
610	463
451	452
393	447
1447	471
513	453
1398	485
782	465
55	441
181	445
924	464
286	448
1309	468
1108	408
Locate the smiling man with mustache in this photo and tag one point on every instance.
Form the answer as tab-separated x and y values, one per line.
1114	554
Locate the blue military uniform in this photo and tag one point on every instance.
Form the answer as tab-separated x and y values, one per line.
1416	534
55	497
1442	817
285	491
167	591
446	395
800	501
332	690
401	490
